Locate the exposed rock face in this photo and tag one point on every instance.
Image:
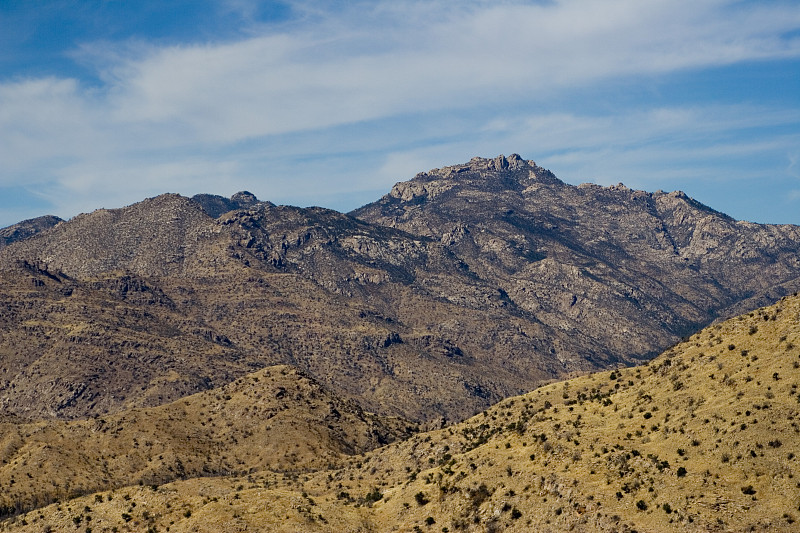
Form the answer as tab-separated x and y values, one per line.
151	238
631	269
461	286
26	229
215	206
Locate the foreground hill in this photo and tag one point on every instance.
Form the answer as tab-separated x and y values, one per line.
463	286
705	437
275	419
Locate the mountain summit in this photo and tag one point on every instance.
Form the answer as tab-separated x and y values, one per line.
628	268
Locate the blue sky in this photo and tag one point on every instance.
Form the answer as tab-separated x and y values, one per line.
106	102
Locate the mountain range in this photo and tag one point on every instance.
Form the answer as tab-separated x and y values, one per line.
705	437
462	286
477	350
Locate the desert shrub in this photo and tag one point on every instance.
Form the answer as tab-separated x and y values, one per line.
373	496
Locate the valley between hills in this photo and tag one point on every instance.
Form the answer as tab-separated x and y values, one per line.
475	351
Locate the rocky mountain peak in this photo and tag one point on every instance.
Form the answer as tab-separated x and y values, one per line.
26	229
501	173
482	166
244	199
513	162
215	206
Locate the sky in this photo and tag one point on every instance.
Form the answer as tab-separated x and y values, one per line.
106	102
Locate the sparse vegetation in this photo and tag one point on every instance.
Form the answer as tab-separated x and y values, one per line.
711	424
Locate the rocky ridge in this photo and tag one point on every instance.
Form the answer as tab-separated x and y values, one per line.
460	287
26	229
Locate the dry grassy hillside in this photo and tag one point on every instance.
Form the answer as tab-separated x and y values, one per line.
705	437
276	419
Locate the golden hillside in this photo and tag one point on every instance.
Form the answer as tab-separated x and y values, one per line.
704	437
275	419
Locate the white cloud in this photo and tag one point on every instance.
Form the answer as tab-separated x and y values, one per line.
337	71
178	117
643	148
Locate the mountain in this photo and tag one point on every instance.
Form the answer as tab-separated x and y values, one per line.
705	437
462	286
26	229
275	419
595	261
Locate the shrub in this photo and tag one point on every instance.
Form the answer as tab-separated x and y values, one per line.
641	505
373	496
420	498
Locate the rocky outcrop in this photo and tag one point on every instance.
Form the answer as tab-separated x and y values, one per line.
216	206
26	229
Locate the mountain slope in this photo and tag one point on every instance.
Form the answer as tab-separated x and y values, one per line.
590	259
705	437
273	420
71	349
465	285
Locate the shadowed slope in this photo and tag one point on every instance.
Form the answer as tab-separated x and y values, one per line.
275	419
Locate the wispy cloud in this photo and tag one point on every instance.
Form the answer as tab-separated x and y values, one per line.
184	116
371	60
